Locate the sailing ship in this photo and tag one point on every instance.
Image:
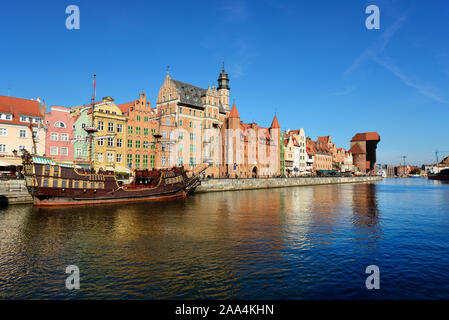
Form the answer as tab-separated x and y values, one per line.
56	184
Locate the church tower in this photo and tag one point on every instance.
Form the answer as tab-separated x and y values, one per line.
223	89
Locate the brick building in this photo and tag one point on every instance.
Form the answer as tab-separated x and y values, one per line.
363	149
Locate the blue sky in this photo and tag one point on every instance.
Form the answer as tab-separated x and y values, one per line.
313	62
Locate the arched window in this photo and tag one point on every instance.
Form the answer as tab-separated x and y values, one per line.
59	124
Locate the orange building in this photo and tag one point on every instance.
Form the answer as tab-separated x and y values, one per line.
140	148
322	155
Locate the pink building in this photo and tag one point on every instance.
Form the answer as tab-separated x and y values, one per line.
59	126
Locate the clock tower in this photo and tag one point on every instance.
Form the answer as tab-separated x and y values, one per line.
223	89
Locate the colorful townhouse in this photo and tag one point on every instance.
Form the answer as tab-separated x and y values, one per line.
322	156
141	125
300	150
59	133
17	115
289	155
81	120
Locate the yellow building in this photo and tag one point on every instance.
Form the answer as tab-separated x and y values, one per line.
109	150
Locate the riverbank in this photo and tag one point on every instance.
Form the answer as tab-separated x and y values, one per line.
15	192
215	185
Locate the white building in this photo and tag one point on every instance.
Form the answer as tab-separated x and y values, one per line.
300	150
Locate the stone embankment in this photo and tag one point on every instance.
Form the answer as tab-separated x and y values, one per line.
211	185
14	192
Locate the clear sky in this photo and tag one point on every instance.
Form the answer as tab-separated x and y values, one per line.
313	62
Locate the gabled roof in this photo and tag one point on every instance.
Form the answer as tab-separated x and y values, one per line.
189	94
17	107
125	106
234	113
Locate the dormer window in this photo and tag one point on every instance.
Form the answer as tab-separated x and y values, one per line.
60	124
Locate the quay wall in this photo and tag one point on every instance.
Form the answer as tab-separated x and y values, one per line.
14	192
211	185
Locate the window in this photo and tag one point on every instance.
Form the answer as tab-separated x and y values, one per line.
152	161
22	148
180	161
138	118
23	133
59	124
137	143
180	123
110	126
167	122
77	184
54	151
164	160
64	184
119	128
137	160
110	156
64	137
130	129
64	151
145	131
2	147
192	161
3	132
110	142
118	158
180	135
130	143
138	130
100	142
85	185
83	125
100	157
180	111
100	125
129	160
119	143
45	183
145	119
145	161
55	183
164	134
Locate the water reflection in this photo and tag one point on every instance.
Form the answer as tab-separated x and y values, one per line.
274	243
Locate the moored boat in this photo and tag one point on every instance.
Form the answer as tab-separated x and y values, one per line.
57	184
442	175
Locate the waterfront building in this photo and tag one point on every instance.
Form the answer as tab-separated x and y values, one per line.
390	170
282	154
189	120
322	156
300	144
289	155
348	161
109	140
59	132
80	137
249	149
140	146
16	117
363	149
310	157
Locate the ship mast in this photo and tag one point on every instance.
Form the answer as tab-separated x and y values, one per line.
91	129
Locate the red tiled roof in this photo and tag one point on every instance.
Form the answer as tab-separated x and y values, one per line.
356	149
234	113
125	106
366	136
324	139
275	123
17	107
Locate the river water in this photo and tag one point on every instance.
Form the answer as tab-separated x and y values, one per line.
289	243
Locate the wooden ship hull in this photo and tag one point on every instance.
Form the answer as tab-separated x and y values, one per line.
52	184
